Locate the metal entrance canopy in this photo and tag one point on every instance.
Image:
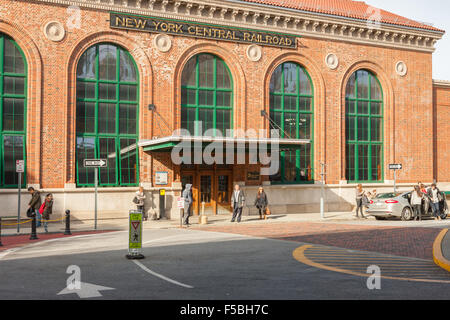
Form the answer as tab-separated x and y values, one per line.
170	142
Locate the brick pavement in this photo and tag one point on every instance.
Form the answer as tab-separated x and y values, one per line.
400	241
13	241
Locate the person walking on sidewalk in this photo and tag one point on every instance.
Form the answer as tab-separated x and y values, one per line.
35	204
237	203
360	194
435	199
46	210
261	203
416	202
140	202
188	200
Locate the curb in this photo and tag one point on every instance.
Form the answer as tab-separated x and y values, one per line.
438	257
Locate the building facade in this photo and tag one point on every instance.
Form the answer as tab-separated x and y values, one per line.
346	85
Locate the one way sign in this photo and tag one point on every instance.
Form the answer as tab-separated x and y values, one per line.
95	163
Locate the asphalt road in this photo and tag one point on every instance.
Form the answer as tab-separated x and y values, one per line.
192	264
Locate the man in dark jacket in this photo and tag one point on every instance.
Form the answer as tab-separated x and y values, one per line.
435	198
35	204
237	203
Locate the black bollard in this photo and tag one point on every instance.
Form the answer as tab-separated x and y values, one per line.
67	232
1	244
33	228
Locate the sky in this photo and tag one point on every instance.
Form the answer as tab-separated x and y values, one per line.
436	12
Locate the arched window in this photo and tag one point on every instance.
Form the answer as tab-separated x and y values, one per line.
292	109
13	100
364	128
206	95
107	115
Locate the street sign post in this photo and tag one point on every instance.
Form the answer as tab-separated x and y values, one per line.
20	168
180	203
395	167
322	191
135	236
96	163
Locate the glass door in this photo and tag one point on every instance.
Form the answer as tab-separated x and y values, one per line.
223	193
206	193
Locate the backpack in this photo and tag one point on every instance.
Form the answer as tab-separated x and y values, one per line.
30	213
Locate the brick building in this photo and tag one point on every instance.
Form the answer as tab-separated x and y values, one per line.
345	84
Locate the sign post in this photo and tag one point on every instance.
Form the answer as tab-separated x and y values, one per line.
395	167
20	168
96	163
180	202
322	191
135	236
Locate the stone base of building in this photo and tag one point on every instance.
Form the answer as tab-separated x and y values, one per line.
115	203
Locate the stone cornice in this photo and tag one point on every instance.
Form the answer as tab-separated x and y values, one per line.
267	18
441	83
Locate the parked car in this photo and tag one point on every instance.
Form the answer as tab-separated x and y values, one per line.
388	205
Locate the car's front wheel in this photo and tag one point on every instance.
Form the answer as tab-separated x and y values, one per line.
407	214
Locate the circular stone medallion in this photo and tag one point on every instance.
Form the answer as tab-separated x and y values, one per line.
332	61
401	68
54	31
254	53
162	42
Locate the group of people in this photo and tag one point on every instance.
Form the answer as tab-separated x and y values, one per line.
41	211
421	200
237	203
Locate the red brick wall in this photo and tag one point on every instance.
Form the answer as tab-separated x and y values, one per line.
442	132
51	107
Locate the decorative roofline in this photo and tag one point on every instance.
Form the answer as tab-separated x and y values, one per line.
441	83
268	18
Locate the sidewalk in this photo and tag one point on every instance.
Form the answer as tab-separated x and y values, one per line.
219	220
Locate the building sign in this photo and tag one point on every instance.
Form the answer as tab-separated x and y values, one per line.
198	30
20	166
253	176
161	178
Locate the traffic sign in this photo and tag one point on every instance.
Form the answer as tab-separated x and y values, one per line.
395	167
95	163
180	202
20	166
135	236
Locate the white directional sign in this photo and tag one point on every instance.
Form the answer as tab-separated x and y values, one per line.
95	163
395	167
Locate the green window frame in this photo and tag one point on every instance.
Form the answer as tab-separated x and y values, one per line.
207	95
13	111
292	109
364	133
107	116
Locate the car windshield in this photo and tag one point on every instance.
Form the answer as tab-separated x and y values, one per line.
387	195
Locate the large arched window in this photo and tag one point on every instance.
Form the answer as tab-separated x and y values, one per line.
107	115
292	109
364	128
206	95
13	97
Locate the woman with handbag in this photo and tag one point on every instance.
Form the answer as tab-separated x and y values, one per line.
46	210
139	200
360	200
261	203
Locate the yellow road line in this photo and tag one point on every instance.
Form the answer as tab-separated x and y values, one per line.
299	255
438	257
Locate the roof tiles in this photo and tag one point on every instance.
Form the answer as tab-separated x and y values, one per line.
346	8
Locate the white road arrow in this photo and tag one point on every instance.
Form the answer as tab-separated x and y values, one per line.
87	290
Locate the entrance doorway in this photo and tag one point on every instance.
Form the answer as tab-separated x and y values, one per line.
210	189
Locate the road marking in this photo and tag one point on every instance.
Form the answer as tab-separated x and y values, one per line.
87	290
161	276
393	271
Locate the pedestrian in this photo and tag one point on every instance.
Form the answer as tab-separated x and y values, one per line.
435	199
261	203
416	202
374	194
46	210
35	204
425	199
139	199
237	203
188	200
360	194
